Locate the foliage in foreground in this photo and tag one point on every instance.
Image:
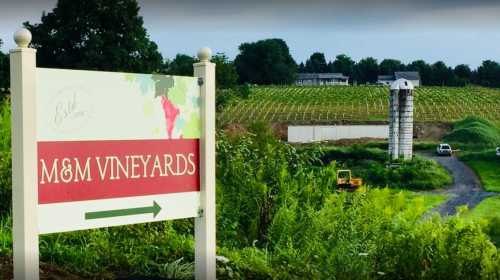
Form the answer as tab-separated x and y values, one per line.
488	212
5	157
291	224
280	217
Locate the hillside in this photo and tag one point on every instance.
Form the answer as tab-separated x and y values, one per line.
322	105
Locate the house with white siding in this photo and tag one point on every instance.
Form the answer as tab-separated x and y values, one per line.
321	79
412	76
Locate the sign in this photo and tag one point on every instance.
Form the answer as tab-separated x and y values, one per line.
116	148
97	149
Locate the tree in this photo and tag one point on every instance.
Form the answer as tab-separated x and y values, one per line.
463	74
389	66
316	63
423	69
96	35
265	62
488	74
442	75
181	65
4	71
225	71
343	64
367	70
301	68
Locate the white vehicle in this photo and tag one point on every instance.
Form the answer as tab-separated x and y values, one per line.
444	150
498	151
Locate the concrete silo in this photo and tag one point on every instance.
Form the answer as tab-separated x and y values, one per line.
401	120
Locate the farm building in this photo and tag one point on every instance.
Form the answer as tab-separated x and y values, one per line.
321	79
412	76
385	79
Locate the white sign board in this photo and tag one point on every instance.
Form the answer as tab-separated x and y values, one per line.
116	148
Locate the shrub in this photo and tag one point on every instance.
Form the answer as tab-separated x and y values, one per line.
371	165
493	230
355	152
378	234
279	217
225	97
5	157
256	175
419	174
312	232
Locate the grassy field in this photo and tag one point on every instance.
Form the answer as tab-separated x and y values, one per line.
299	105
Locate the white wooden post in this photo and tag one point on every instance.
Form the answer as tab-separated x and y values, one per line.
24	158
204	228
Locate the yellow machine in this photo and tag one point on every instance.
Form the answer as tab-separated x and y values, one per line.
345	180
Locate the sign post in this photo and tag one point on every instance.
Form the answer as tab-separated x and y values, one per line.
204	228
97	149
24	158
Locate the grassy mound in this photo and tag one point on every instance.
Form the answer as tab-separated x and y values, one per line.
474	130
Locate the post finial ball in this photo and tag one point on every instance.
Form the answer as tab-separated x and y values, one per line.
22	37
204	54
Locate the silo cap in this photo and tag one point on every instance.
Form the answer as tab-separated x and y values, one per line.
402	84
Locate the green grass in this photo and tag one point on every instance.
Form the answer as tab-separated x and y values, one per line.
154	249
488	172
316	105
428	200
487	209
433	200
487	166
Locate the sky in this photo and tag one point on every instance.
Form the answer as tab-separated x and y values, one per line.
454	31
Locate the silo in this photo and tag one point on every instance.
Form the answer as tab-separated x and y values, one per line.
401	120
394	124
406	123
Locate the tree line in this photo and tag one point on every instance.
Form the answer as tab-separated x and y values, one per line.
4	71
368	69
109	35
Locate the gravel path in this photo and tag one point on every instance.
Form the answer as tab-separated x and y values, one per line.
465	190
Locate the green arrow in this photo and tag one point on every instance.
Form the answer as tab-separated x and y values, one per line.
155	209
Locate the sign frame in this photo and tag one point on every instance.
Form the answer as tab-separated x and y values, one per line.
25	230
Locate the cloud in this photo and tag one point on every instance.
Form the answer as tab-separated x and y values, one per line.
457	31
322	13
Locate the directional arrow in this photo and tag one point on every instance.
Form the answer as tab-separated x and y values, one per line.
155	209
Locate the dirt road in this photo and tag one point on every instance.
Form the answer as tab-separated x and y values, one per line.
465	190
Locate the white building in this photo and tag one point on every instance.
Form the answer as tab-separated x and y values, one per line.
386	80
321	79
412	76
